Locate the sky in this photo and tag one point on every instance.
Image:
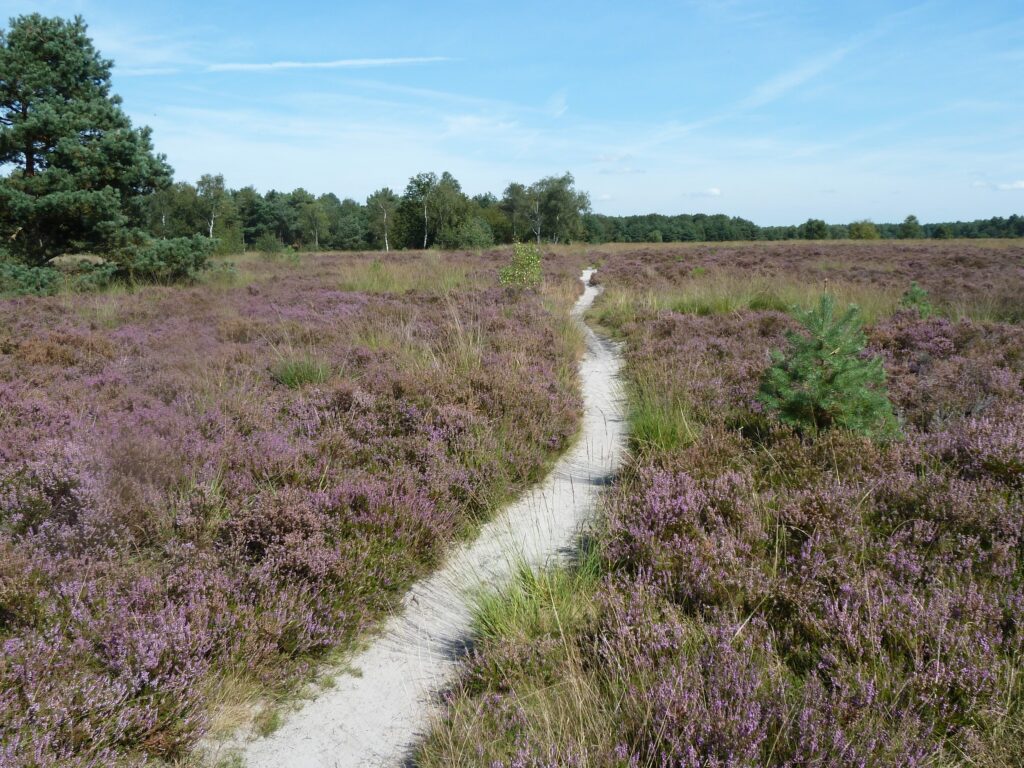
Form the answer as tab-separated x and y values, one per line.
775	111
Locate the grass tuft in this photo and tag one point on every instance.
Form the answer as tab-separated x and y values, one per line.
298	372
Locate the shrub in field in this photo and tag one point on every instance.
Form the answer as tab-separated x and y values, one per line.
824	380
916	298
524	269
169	261
268	243
20	279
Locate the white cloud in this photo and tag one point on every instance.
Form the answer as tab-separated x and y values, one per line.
135	52
336	64
557	104
483	127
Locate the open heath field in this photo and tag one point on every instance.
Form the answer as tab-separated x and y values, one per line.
206	490
812	558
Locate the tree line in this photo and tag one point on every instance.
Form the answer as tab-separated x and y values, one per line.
657	228
432	211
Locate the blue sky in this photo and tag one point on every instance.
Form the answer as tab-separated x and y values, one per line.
775	111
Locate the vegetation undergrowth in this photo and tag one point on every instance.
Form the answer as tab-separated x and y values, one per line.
774	596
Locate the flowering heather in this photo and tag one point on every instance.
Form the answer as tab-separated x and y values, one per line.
172	511
980	277
772	599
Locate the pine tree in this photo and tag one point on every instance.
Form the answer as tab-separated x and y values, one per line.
915	298
81	171
824	381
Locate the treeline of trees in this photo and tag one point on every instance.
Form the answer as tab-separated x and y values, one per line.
657	228
434	211
431	211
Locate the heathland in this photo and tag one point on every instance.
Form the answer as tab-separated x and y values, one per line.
758	593
206	489
209	490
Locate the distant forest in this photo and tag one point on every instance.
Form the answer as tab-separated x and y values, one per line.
433	211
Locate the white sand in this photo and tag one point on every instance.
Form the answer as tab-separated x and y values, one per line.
377	718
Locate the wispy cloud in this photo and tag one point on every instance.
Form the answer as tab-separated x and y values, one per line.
781	85
271	66
709	192
558	104
1004	186
627	170
146	71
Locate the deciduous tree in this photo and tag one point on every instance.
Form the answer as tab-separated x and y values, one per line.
381	206
864	230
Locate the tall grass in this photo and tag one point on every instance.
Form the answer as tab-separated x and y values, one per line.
432	274
661	419
719	292
297	372
547	611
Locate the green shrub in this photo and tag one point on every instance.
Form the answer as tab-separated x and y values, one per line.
823	380
22	280
765	301
524	269
916	298
174	260
94	277
475	234
296	372
268	243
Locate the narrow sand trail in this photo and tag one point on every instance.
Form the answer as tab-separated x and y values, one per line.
376	718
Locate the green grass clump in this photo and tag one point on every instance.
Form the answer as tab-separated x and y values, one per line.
660	418
554	601
297	372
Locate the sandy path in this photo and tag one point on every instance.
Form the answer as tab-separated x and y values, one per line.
375	719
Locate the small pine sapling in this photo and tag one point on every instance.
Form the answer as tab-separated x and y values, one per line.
824	381
915	298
